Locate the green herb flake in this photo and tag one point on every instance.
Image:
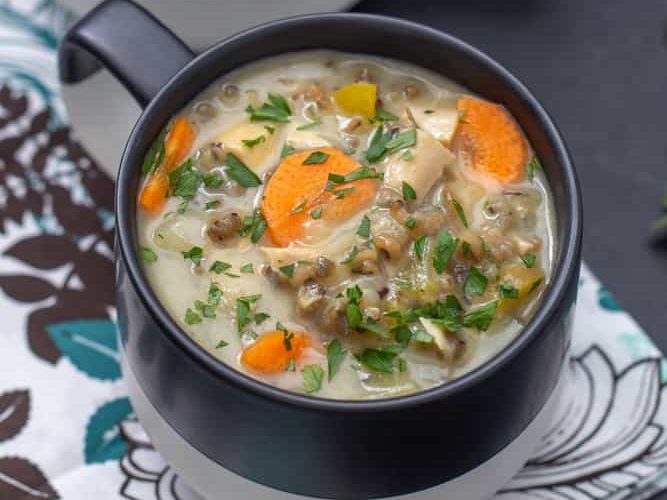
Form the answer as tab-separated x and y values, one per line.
287	339
420	247
191	317
335	356
402	365
219	267
147	254
444	249
299	208
316	158
243	316
379	360
247	268
194	254
362	172
312	378
287	270
408	191
528	260
213	180
342	193
212	204
350	256
508	291
422	337
251	143
286	150
365	227
532	166
429	111
481	317
238	171
310	126
182	206
402	140
221	344
214	294
535	285
261	317
377	148
382	115
475	283
460	212
269	129
291	366
188	184
276	109
353	315
354	294
407	155
372	326
155	153
206	310
465	247
253	225
316	213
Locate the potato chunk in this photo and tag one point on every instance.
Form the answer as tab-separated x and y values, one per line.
429	158
440	122
259	156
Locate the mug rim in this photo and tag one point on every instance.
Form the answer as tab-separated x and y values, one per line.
564	270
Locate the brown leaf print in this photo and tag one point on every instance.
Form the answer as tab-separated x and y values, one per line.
20	479
26	288
70	305
44	251
76	219
14	409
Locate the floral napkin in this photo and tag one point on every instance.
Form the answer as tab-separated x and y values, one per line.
67	429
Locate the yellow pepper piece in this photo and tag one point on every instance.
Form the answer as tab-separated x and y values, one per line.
523	279
357	99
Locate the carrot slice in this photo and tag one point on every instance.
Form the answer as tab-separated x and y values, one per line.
179	141
295	190
269	354
494	141
154	192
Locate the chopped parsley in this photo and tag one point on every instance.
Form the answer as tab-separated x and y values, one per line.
444	249
287	270
316	213
532	166
335	357
408	191
221	344
194	254
312	378
535	284
481	317
219	267
243	315
402	140
402	365
382	115
247	268
460	212
429	111
528	260
147	254
214	294
410	222
253	225
291	366
350	256
276	109
508	291
475	283
191	317
187	182
206	310
261	317
213	180
422	336
286	150
407	155
382	143
316	158
342	193
269	129
287	339
365	227
155	153
251	143
212	204
420	247
238	171
379	360
182	206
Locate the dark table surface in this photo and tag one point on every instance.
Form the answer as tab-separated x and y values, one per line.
600	69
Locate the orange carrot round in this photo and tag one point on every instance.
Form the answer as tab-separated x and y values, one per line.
494	141
154	192
269	354
178	143
295	190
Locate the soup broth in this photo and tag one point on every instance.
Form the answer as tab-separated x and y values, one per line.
345	226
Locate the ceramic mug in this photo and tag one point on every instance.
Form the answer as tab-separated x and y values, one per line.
292	442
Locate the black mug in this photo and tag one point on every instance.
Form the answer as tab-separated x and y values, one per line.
292	442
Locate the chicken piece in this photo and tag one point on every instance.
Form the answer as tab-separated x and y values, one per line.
259	157
429	159
440	122
445	343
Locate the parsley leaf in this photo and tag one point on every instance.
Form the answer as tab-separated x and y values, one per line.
194	254
460	212
247	268
535	284
350	256
444	249
212	204
277	110
335	357
310	125
286	150
342	193
155	153
508	291
382	115
379	360
261	318
312	378
316	213
219	267
238	171
147	254
402	140
365	227
353	315
475	283
377	148
269	129
251	143
287	270
410	222
316	158
407	155
532	165
253	225
243	316
481	317
214	294
420	246
191	317
188	183
213	180
357	174
409	193
528	260
221	344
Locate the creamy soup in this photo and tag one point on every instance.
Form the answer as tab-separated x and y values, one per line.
345	226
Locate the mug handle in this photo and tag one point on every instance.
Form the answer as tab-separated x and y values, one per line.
140	51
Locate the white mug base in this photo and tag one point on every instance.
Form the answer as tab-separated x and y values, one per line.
210	479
